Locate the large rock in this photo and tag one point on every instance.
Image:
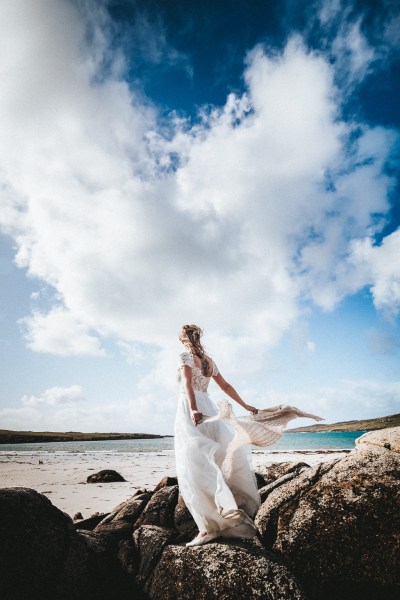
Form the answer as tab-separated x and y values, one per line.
120	523
338	523
384	438
150	542
166	481
35	538
105	476
271	473
42	557
278	474
160	508
217	571
91	571
115	530
132	508
129	509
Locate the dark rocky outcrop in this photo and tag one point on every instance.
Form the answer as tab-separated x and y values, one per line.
116	530
105	476
160	508
132	508
166	482
278	474
221	571
277	470
42	557
337	524
35	537
150	541
326	532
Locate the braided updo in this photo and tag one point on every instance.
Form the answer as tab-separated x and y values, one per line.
190	336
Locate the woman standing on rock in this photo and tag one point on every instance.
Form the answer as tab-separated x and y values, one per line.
212	448
222	501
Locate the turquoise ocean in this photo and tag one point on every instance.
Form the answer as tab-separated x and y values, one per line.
289	441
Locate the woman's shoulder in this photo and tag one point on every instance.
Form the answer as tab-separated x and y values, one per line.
186	358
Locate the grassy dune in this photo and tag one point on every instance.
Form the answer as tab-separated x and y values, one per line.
8	436
364	425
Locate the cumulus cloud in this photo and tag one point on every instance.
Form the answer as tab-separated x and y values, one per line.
57	332
55	396
380	266
139	224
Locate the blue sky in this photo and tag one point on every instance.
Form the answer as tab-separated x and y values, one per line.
232	164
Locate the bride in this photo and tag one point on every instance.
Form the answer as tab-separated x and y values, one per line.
221	503
213	447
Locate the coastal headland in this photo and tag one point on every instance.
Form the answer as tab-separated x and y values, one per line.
362	425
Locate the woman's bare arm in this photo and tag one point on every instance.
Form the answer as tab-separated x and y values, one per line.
187	384
232	393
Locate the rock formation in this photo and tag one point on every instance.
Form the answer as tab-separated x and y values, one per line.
105	476
42	557
338	523
327	532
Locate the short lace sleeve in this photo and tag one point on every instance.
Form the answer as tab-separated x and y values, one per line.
215	370
186	359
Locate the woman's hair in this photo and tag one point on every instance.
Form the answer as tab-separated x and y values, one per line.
190	336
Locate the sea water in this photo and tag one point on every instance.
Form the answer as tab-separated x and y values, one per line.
326	440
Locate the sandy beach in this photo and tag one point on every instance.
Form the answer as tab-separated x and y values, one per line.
62	477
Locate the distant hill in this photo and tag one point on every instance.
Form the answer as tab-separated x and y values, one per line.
364	425
8	436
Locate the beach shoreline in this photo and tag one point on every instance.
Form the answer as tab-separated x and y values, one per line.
62	476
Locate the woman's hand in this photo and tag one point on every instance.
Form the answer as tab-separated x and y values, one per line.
196	416
251	409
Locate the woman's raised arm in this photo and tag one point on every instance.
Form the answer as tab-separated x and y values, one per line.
232	393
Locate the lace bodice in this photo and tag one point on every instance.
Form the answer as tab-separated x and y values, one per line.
199	381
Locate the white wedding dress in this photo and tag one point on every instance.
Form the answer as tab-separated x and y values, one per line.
213	459
218	503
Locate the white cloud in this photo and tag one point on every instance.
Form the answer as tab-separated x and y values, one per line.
55	396
380	267
270	192
59	333
352	52
358	399
360	39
